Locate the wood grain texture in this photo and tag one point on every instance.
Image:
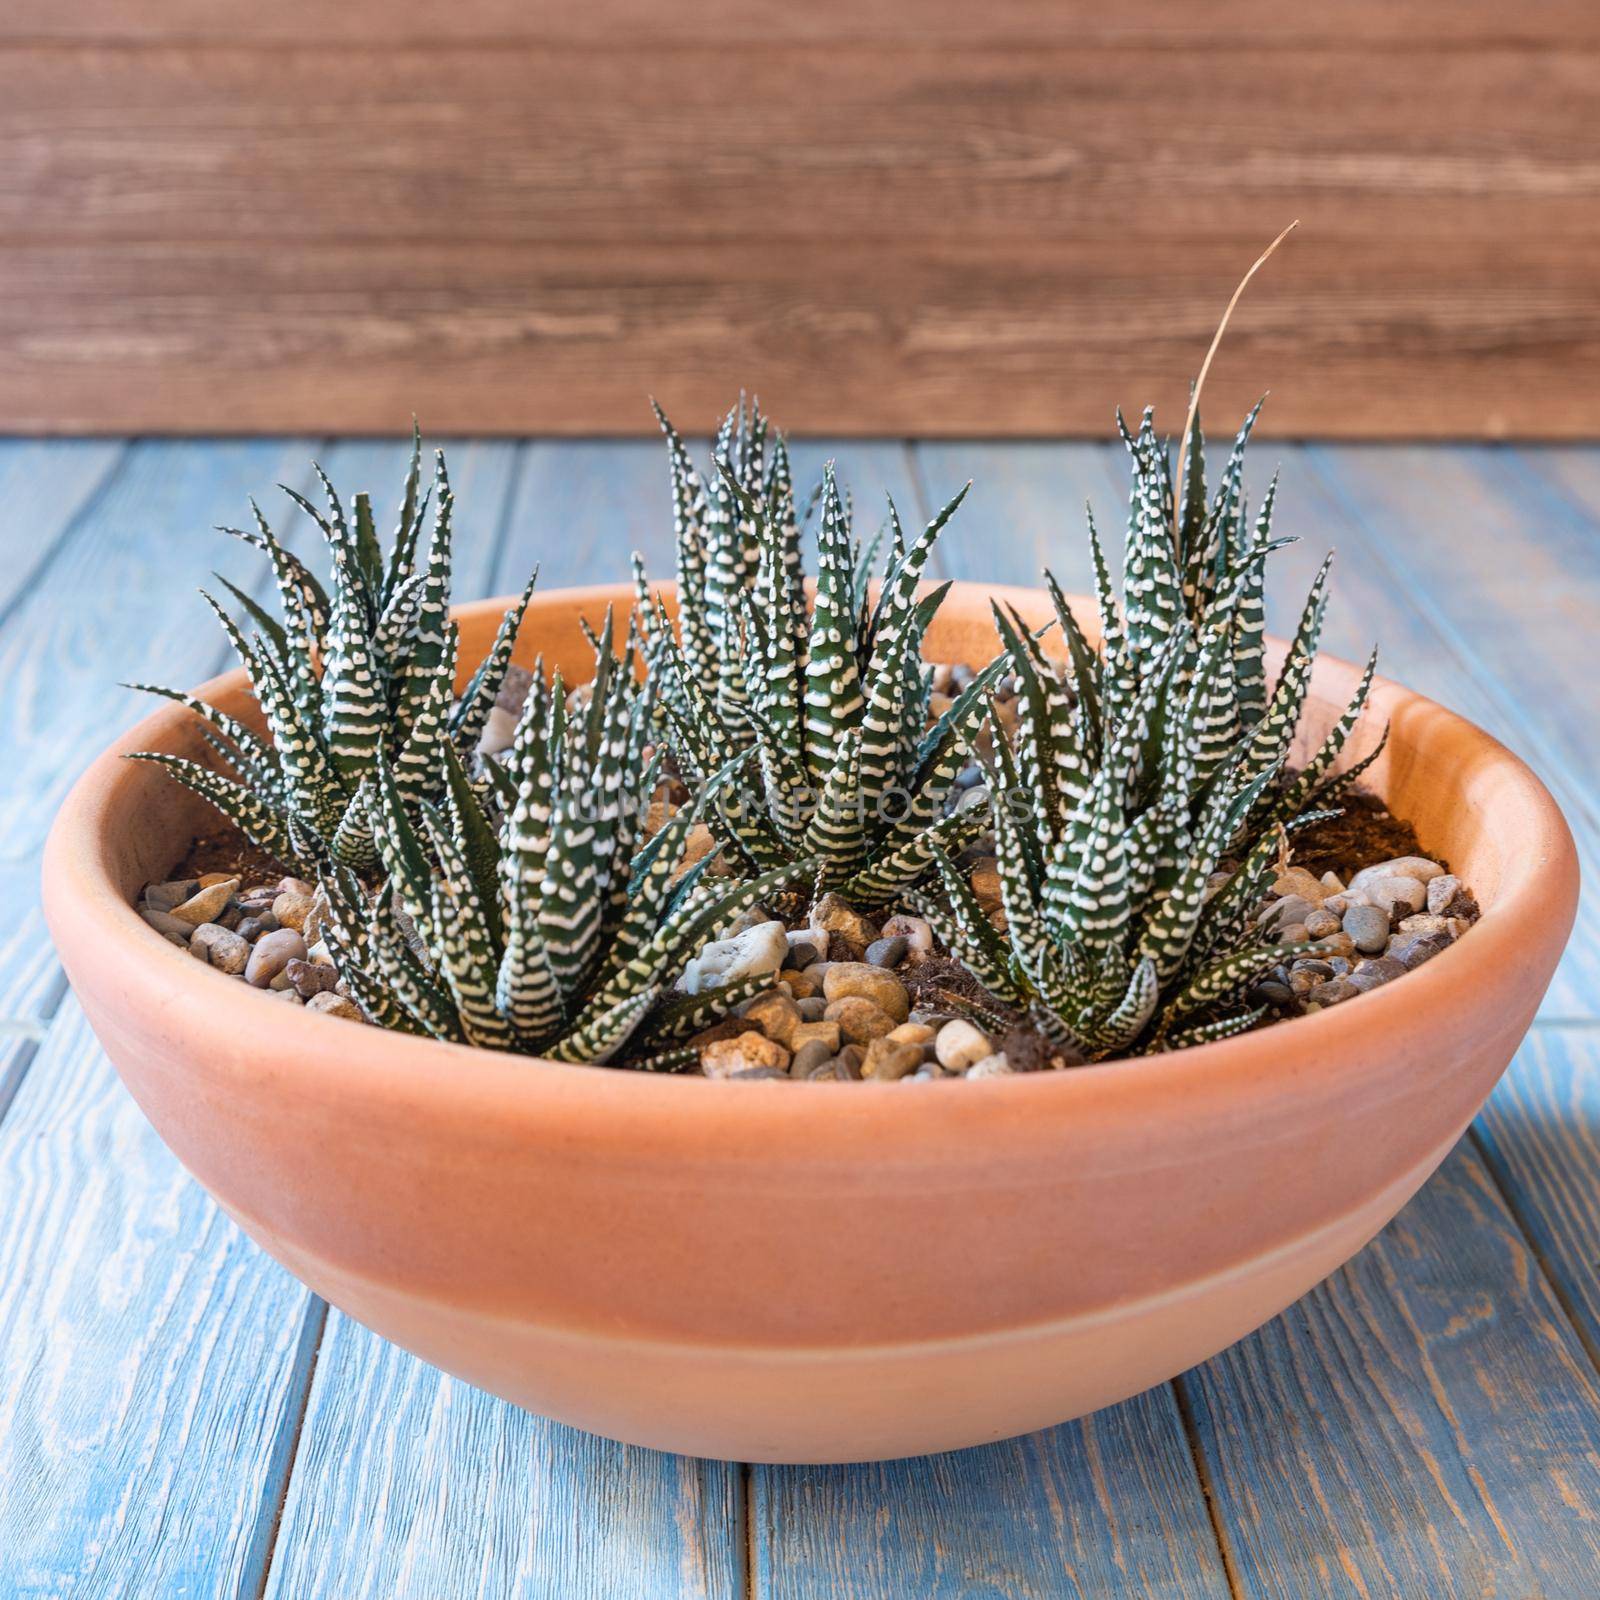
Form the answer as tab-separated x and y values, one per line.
1540	1134
1107	1506
114	604
152	1360
44	484
1424	1423
410	1485
525	219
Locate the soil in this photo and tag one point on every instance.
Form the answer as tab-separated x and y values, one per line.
1363	833
227	850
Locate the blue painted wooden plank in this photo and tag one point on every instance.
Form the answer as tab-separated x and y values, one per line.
1540	1134
44	484
1096	1508
410	1485
116	603
151	1358
1424	1423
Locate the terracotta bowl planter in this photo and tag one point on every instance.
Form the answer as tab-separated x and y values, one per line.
817	1272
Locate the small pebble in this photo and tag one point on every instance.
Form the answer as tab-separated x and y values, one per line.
1379	970
916	931
961	1044
1297	881
801	985
1270	992
811	1008
271	953
1417	868
1395	894
1321	923
888	1062
1368	926
918	1033
1412	949
164	896
775	1015
801	951
334	1005
168	926
292	909
306	977
810	1054
1293	933
250	929
1333	991
1441	891
846	979
859	1019
723	1057
995	1066
887	952
832	914
205	904
223	947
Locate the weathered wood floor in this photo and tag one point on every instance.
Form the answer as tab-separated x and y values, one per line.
178	1417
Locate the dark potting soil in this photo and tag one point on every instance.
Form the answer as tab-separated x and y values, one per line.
225	849
1363	833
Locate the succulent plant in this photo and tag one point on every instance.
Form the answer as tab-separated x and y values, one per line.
549	934
347	683
1139	768
830	700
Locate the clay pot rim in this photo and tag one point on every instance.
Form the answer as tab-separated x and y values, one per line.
328	1056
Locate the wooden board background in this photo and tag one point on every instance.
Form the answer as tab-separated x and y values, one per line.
892	218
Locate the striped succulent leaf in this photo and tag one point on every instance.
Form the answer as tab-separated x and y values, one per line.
353	674
1154	766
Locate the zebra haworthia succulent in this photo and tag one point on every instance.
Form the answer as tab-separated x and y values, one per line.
550	934
829	699
1139	768
346	681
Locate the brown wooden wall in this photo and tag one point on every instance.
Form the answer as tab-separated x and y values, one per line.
952	216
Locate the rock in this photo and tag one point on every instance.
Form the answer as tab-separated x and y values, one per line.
1368	926
888	952
985	881
762	948
1297	881
995	1066
1321	923
206	904
320	953
1291	910
1270	992
847	1064
859	1019
1302	983
698	843
1417	868
334	1005
225	950
1441	891
291	909
308	979
749	1074
832	915
514	687
284	994
811	1054
1338	944
1293	933
1395	894
1330	883
918	1033
1379	970
271	953
724	1057
855	978
164	896
722	1028
916	931
499	730
167	926
1423	922
960	1044
811	1008
1337	904
775	1015
809	1032
1412	949
1333	991
802	952
801	984
888	1062
250	929
971	799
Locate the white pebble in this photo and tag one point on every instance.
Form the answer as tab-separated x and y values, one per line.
995	1066
961	1044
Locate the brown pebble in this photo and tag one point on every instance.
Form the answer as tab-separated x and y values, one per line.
291	909
226	951
859	1019
776	1015
801	984
204	905
309	979
271	953
334	1005
166	925
888	1062
164	896
209	880
724	1057
858	978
